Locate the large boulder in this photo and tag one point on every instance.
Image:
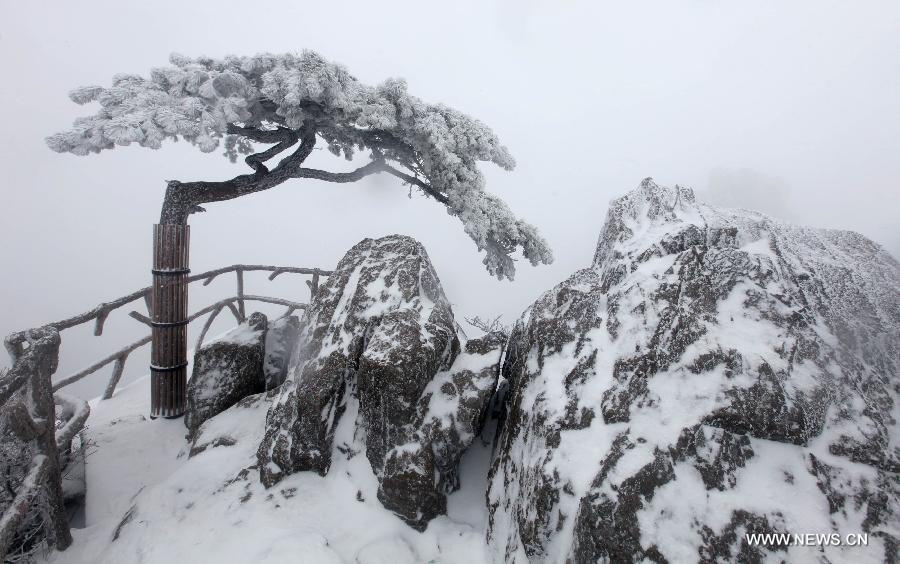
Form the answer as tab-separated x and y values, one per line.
377	352
226	371
714	373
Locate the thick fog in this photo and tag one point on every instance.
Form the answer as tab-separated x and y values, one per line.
789	108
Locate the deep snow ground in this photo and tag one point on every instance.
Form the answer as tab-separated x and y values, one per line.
147	501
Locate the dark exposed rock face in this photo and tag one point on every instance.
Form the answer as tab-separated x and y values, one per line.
281	340
380	358
714	373
226	371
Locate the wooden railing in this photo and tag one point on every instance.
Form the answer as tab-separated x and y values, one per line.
235	304
28	395
28	402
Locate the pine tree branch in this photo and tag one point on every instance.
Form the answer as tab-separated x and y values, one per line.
373	167
185	198
418	183
283	137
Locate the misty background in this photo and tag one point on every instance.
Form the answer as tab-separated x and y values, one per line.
792	109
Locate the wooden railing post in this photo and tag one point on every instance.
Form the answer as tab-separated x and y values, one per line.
313	285
169	299
118	368
240	293
31	372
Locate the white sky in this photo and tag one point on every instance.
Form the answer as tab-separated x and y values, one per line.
792	108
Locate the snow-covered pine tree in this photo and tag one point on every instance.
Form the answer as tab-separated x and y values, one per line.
291	102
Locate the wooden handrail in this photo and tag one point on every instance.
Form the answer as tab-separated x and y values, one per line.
35	353
123	353
79	411
99	364
101	312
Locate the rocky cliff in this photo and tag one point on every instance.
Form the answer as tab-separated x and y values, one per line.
713	373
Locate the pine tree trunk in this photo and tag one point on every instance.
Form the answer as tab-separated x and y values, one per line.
169	303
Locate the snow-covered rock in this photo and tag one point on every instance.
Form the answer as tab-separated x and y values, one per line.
449	415
228	430
226	371
378	346
455	403
714	373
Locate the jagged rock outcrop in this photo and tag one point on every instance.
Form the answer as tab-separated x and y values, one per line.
226	371
451	412
455	404
714	373
380	358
